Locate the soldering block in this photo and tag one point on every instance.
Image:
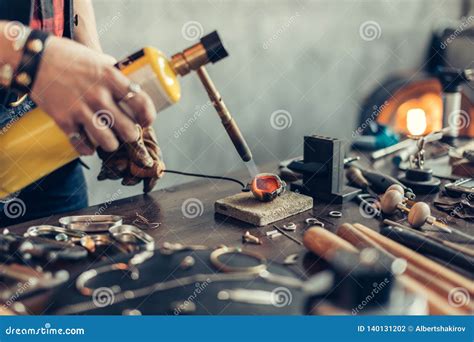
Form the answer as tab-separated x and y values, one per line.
245	207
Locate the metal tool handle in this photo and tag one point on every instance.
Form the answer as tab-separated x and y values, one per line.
227	121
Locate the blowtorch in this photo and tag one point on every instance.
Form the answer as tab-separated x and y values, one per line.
35	146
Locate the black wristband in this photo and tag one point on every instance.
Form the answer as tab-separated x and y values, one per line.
25	75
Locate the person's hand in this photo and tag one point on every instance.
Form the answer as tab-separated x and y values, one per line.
80	88
134	161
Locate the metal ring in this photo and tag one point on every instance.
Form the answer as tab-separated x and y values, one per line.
314	222
75	138
291	227
133	90
335	214
214	257
87	276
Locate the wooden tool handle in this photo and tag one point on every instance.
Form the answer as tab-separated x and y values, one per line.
416	279
325	244
418	259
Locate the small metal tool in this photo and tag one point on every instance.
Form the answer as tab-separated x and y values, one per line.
249	238
281	231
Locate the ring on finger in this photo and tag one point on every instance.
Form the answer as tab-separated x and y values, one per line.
133	90
75	138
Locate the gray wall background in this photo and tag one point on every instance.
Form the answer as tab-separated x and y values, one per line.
304	60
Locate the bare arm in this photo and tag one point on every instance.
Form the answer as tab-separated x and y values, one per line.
86	30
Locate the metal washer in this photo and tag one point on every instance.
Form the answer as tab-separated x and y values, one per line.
335	214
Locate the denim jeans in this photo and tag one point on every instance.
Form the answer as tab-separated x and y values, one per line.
63	190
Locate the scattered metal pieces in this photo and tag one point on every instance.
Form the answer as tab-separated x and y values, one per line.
291	259
184	307
291	227
258	297
144	223
249	238
282	232
131	312
187	262
276	235
169	248
29	280
271	232
335	214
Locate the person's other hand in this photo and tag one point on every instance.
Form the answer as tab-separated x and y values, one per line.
134	161
80	88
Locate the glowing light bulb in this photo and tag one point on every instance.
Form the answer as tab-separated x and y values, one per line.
416	121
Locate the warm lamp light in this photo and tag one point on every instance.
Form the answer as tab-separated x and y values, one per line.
416	121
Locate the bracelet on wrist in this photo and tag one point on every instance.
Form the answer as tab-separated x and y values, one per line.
25	75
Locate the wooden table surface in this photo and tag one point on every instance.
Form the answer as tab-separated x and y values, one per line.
165	207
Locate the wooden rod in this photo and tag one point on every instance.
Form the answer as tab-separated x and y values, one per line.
325	244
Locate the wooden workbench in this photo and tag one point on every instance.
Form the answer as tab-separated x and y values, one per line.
165	207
